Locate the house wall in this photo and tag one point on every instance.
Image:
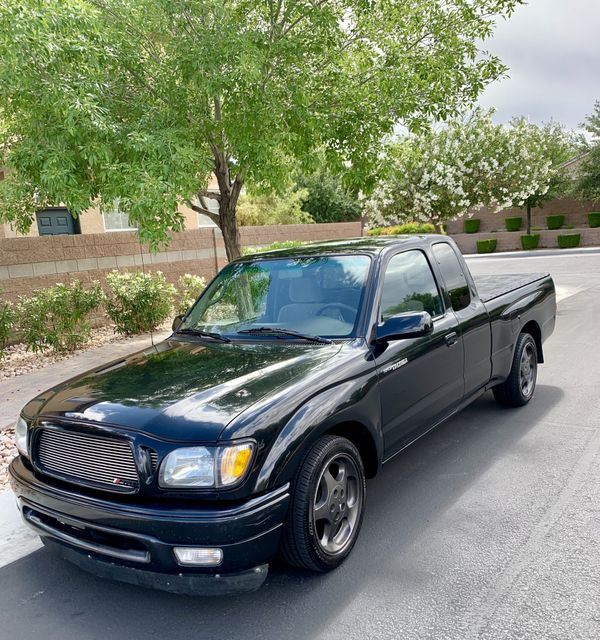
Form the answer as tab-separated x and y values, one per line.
29	263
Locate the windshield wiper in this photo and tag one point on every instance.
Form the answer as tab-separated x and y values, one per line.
284	332
203	334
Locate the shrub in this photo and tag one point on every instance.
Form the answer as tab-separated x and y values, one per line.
138	302
401	229
486	246
190	287
57	317
513	224
530	241
472	225
6	323
555	221
594	218
569	240
286	244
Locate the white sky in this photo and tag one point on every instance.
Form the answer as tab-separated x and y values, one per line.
552	49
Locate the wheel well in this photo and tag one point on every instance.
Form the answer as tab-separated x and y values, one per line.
533	329
360	437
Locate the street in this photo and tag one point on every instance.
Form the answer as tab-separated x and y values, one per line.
488	527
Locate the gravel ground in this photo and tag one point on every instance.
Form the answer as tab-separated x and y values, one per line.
7	452
19	362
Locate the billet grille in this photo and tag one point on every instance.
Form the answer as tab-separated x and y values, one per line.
90	458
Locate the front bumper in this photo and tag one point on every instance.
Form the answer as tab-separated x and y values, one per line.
134	543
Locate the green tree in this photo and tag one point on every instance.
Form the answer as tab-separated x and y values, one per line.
143	99
587	183
273	208
327	199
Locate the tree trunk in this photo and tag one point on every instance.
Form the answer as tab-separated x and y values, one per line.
229	227
528	219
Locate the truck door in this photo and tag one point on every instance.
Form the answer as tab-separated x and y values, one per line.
473	320
421	379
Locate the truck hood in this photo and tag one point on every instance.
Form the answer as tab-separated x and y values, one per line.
182	390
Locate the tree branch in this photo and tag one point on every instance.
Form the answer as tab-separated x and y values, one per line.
198	209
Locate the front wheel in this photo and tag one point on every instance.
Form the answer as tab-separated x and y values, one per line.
326	510
517	390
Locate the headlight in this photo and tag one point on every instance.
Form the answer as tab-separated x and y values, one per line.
21	437
206	467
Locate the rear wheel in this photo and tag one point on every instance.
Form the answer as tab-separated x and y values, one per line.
517	390
326	510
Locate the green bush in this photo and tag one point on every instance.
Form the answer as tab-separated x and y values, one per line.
594	218
57	317
530	241
472	225
137	301
513	224
401	229
190	287
569	240
6	324
486	246
286	244
555	222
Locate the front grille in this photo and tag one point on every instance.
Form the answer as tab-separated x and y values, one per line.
95	460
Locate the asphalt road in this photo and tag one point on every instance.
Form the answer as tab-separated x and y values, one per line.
489	527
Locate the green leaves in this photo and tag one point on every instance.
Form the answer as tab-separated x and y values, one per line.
588	173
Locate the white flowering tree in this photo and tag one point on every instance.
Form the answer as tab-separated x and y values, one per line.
533	167
441	174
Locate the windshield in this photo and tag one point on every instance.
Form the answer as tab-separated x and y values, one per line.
319	296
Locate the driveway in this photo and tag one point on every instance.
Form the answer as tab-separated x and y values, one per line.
489	527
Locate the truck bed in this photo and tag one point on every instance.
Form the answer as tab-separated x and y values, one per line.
490	287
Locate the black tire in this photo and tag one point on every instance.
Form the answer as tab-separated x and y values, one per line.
304	531
515	391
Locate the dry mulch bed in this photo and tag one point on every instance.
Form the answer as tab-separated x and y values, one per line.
18	361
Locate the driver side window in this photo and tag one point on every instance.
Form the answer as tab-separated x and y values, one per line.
409	285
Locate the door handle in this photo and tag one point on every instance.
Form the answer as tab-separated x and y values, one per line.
451	338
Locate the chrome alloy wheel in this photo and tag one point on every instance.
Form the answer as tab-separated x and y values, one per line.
528	370
337	504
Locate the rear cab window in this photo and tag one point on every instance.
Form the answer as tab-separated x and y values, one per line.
453	275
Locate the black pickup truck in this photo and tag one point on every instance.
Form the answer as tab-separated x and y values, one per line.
250	431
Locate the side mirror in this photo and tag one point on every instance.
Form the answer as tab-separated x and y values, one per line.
413	324
177	322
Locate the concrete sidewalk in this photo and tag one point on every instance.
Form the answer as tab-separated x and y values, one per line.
16	392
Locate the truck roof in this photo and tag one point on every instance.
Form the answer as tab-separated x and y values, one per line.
367	244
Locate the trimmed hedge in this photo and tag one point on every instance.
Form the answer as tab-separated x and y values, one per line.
513	224
472	225
487	246
569	240
530	242
401	229
555	221
594	218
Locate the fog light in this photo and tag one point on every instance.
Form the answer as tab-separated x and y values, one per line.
198	556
